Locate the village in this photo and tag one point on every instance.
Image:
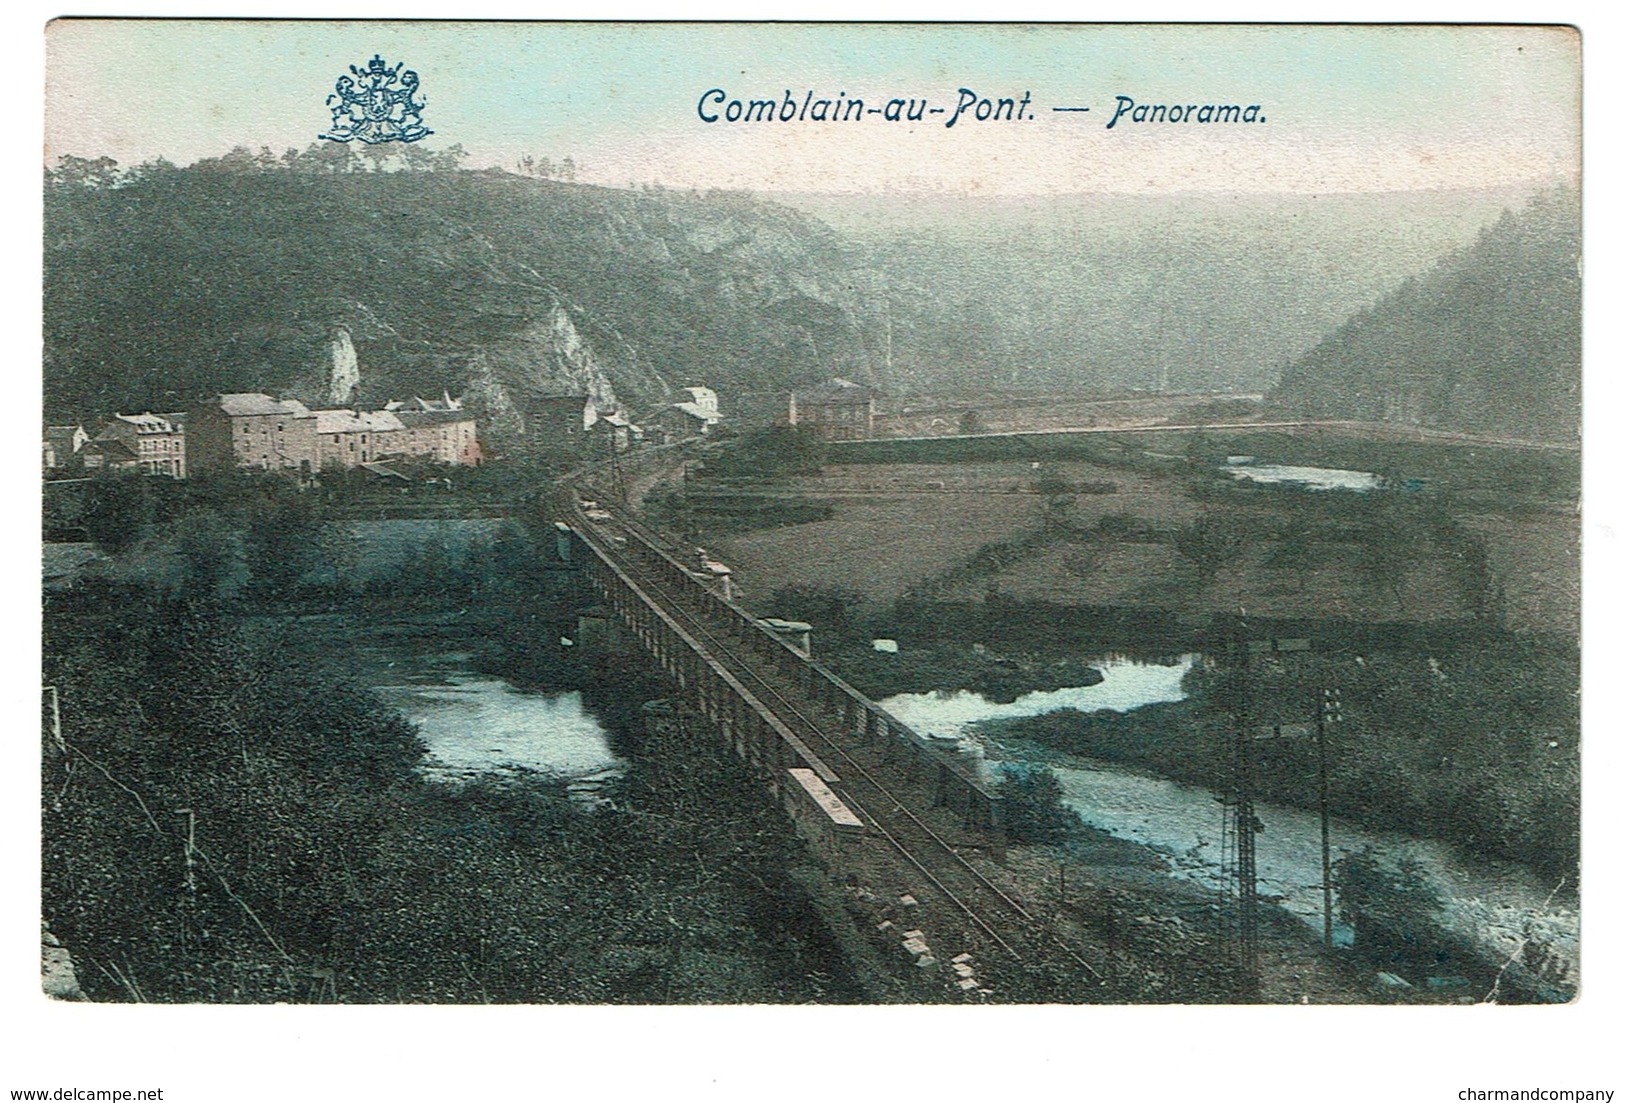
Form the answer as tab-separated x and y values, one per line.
253	431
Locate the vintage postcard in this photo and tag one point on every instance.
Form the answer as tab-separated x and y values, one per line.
610	513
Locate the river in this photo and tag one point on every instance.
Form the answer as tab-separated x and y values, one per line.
1309	478
1493	905
478	725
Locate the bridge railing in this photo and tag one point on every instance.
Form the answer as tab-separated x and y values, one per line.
957	783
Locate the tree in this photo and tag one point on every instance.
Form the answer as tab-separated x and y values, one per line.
449	160
1034	808
826	608
78	172
417	158
1394	912
379	154
333	157
207	553
1210	543
238	159
117	508
778	450
283	543
1295	551
159	168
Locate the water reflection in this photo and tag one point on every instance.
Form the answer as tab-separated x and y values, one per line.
1311	478
480	725
1126	684
475	724
1494	905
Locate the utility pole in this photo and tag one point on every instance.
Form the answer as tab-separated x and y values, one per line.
1331	712
190	849
1244	818
1245	824
56	720
616	478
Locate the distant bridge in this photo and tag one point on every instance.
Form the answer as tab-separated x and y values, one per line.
1376	430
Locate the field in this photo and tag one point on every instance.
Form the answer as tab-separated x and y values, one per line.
1148	524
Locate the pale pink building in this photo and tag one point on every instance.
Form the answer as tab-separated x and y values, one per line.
254	431
157	441
349	438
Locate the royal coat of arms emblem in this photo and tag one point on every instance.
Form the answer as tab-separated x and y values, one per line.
380	103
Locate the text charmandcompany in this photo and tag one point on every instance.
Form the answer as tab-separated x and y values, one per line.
1538	1095
968	106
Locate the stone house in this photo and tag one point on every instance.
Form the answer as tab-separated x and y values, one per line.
349	438
557	420
158	442
258	432
108	455
837	410
437	429
692	418
254	431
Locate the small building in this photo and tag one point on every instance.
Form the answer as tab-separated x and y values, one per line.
621	432
693	417
158	441
556	419
838	410
61	447
108	455
439	434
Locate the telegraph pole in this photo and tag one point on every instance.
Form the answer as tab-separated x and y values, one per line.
1245	820
1245	828
1331	712
617	480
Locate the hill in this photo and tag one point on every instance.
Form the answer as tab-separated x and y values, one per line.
164	285
1179	292
1487	342
184	282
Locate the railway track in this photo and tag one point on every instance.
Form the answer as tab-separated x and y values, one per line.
646	557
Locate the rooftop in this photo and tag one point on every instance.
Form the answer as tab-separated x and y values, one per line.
410	418
836	391
256	405
147	423
357	421
695	410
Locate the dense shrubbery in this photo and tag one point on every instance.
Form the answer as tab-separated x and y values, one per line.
773	452
224	823
1033	809
1481	750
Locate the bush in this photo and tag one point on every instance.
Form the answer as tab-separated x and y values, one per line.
1034	811
774	452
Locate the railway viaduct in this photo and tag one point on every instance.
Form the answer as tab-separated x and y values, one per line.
853	778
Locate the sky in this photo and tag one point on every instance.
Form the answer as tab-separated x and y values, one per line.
1344	108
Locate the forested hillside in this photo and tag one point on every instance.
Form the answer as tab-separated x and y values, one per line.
177	283
164	285
1488	341
1178	292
